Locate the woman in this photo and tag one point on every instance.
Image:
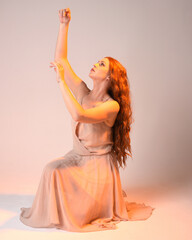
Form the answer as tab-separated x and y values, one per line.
81	191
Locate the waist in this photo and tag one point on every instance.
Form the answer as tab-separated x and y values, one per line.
82	149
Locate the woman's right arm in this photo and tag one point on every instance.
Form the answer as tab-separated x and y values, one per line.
61	46
72	80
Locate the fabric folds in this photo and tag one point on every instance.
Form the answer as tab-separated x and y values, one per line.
81	191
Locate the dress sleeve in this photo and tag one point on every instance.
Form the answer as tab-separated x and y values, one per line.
82	91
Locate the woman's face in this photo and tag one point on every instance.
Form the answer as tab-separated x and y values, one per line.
100	70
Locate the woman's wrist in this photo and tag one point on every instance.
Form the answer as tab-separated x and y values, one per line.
62	25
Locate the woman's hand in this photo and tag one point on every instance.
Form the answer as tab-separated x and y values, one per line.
59	70
64	15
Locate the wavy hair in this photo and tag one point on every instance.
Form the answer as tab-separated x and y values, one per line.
119	90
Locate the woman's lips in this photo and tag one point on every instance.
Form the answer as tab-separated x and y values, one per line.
92	70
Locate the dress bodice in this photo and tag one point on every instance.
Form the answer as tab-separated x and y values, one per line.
97	138
92	138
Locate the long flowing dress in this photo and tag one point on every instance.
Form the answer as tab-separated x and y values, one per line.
81	191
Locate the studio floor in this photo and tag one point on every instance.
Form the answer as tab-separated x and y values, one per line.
171	219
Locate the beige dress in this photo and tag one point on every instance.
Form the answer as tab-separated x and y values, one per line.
81	191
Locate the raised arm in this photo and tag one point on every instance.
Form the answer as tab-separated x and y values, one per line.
71	78
61	46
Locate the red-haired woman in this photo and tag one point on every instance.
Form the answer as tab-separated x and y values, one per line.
81	191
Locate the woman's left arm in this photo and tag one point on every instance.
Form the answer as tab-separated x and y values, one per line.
97	114
74	108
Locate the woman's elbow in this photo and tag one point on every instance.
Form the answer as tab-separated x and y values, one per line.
77	117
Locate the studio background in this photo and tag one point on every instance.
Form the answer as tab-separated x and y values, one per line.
152	39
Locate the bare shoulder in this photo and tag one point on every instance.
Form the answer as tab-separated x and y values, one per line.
116	107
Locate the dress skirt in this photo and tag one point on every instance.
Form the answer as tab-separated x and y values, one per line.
81	192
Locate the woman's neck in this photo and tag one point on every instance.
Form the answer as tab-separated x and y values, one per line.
99	91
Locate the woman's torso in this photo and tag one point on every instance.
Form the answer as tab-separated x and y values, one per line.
95	137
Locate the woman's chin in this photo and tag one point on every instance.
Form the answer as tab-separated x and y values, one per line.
90	75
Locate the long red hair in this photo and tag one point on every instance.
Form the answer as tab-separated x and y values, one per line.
119	90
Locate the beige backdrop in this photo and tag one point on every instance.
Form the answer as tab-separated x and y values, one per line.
152	39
